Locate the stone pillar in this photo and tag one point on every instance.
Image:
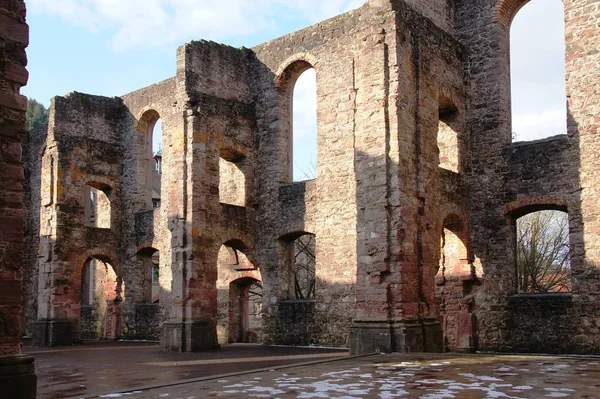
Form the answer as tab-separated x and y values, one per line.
17	376
393	288
583	96
192	321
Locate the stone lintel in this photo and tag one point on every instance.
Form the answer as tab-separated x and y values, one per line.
50	332
188	337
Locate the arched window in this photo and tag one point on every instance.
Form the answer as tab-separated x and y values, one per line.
543	252
239	300
150	157
101	293
537	63
97	207
157	137
454	282
304	126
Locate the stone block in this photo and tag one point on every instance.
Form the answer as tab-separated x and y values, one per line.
52	333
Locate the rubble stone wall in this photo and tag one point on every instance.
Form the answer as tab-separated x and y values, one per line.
413	142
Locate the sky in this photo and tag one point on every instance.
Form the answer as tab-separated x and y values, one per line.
113	47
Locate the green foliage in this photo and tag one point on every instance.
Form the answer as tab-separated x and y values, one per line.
37	115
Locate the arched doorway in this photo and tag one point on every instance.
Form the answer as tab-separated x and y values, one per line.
101	296
454	290
239	298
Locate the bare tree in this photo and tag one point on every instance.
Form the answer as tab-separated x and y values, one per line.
308	171
543	252
304	261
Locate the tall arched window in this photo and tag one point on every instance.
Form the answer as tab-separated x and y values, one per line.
157	138
537	61
304	126
150	157
239	298
101	293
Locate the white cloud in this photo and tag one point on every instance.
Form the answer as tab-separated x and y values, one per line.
151	23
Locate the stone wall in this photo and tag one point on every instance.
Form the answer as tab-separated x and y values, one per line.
509	180
413	208
17	378
33	147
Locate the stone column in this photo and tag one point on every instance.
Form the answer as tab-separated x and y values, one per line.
583	96
17	376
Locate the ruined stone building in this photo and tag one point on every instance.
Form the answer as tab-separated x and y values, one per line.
405	240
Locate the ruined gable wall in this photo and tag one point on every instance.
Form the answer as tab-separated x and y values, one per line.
215	120
144	227
82	147
520	174
328	208
368	93
435	61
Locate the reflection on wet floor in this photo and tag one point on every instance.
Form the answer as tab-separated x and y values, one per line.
100	368
400	376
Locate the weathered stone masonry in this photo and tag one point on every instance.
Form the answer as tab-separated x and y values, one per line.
413	208
17	377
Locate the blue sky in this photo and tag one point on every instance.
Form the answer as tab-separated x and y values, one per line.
112	47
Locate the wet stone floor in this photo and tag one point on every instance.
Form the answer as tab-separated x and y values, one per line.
404	376
95	369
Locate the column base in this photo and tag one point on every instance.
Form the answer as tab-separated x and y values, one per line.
17	377
52	333
188	337
402	336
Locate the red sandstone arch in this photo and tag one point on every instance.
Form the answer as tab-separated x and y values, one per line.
147	121
505	11
285	82
291	69
522	207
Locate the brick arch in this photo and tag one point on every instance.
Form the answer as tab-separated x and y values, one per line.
146	248
290	69
505	11
103	255
521	207
147	119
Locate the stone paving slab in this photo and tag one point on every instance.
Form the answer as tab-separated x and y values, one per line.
100	368
405	376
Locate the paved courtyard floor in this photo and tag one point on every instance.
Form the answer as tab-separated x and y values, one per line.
428	376
101	368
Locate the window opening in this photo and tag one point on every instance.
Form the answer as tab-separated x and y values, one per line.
537	65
